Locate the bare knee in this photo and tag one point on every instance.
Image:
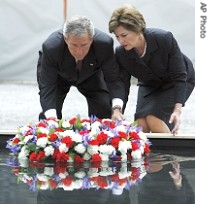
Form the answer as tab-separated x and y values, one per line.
142	123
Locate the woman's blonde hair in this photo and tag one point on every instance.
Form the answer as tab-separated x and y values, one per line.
128	17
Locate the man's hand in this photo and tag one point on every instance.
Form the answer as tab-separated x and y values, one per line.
117	114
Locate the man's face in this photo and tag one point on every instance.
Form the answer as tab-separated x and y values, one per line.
79	45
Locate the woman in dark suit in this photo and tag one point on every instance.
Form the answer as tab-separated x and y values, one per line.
79	55
166	77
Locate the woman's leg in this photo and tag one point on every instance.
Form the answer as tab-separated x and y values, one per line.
156	125
143	123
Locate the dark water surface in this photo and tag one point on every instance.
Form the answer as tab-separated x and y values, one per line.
161	178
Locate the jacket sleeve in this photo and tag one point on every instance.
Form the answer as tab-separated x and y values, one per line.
110	68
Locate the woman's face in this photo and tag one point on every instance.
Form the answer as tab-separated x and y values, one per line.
128	39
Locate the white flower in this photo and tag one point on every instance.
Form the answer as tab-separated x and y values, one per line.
63	175
43	130
124	146
92	149
42	177
42	142
76	137
107	171
80	148
80	174
63	148
77	184
107	149
136	155
104	157
27	138
95	127
52	122
124	157
25	178
124	174
24	153
49	171
66	133
109	133
86	156
25	128
143	136
93	172
120	128
49	150
23	161
65	124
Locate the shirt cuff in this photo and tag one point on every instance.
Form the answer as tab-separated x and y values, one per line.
51	113
117	102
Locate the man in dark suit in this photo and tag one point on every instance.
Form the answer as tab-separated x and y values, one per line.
80	56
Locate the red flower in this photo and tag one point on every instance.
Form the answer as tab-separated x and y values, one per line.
135	146
114	177
60	168
62	157
53	137
110	124
29	132
78	158
59	130
102	182
122	181
16	170
72	121
93	142
53	184
55	153
102	138
83	132
135	174
68	141
15	141
115	142
96	158
41	135
41	124
134	136
146	148
40	156
123	135
68	180
85	120
32	156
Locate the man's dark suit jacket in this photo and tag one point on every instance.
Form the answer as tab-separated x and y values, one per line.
164	65
99	69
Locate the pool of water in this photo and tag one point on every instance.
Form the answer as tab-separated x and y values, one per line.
160	178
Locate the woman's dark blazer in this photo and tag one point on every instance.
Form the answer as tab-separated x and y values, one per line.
164	66
100	71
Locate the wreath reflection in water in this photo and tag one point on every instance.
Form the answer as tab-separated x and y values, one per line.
79	140
115	176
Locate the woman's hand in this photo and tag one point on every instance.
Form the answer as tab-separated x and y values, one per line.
175	175
175	118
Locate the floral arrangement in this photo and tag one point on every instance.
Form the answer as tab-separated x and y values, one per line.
79	140
115	176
